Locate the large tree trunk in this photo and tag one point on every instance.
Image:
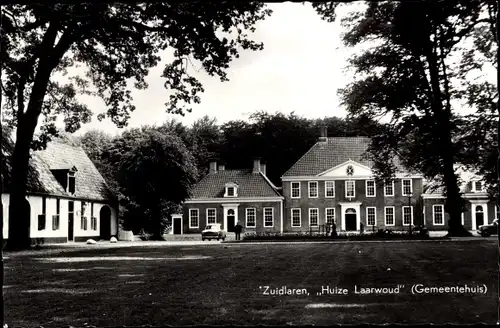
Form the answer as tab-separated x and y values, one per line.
19	217
498	104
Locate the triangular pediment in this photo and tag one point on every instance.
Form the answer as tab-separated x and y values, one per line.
347	167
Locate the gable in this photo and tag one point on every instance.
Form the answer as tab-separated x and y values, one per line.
357	169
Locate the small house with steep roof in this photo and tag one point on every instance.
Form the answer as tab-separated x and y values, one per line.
67	198
228	196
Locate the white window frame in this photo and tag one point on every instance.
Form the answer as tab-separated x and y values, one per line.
375	216
264	217
215	215
291	189
254	217
496	212
403	215
393	216
474	186
392	188
309	189
434	214
197	217
463	217
317	217
403	187
332	186
326	214
235	190
374	188
300	216
353	188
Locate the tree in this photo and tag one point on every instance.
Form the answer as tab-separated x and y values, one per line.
157	173
204	139
408	75
113	43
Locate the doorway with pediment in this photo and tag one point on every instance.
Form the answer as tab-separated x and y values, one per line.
350	216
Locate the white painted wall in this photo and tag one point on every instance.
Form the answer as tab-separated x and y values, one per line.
5	202
51	209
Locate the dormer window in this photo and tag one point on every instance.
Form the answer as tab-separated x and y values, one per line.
231	190
477	186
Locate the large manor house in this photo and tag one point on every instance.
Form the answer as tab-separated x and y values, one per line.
333	182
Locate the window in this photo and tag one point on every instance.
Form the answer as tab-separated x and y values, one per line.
313	217
71	182
407	187
41	222
296	217
371	219
211	215
250	217
438	214
42	217
496	212
231	190
268	216
389	188
313	189
407	215
295	189
93	223
83	223
389	216
330	216
194	218
329	189
370	188
55	218
349	188
477	186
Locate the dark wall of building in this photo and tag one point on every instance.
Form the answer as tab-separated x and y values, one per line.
379	201
259	206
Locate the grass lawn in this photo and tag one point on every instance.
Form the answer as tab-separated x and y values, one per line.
219	284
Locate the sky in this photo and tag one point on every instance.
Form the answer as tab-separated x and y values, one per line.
302	66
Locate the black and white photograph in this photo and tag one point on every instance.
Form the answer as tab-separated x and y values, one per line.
243	163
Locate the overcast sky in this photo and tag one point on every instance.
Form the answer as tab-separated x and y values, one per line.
300	69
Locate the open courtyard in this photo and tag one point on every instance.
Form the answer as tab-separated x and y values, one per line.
213	283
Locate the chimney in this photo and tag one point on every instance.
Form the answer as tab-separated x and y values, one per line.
256	165
323	137
222	167
263	168
213	167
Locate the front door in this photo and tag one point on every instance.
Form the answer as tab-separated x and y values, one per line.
230	220
177	226
105	220
479	216
71	219
350	222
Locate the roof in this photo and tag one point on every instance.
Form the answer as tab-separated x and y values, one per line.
249	184
89	183
434	187
337	150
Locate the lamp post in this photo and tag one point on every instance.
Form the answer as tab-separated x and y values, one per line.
409	207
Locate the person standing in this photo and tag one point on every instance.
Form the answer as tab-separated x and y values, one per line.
237	230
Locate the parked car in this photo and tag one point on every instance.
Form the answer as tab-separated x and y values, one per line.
488	229
213	231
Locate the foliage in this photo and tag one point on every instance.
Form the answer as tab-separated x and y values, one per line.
113	44
410	76
156	172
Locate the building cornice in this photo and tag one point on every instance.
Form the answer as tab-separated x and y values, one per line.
231	200
330	178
